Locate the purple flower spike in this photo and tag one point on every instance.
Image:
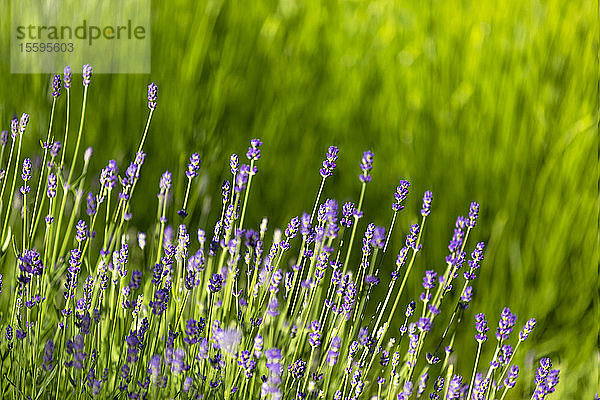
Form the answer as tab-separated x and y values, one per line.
165	183
215	283
81	231
67	77
511	378
23	123
378	239
234	164
454	387
92	205
366	165
297	368
14	127
56	86
481	328
506	324
87	74
193	166
254	150
54	149
26	175
152	95
48	357
424	324
292	229
108	176
466	297
348	214
527	329
427	198
410	309
329	162
3	138
406	391
429	279
473	214
411	238
545	379
400	195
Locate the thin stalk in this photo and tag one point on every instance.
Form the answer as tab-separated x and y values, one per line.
62	157
68	183
250	175
12	188
46	145
474	370
358	209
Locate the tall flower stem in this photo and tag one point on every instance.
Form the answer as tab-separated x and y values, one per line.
474	370
12	188
250	175
41	178
356	217
66	186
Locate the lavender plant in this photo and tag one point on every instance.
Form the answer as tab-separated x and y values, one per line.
242	313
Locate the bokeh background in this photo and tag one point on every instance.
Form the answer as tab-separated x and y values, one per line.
474	100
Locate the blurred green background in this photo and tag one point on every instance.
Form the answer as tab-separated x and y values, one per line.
489	101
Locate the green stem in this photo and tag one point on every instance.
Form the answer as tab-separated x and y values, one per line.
358	209
68	183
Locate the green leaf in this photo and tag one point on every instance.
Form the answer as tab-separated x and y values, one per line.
6	241
47	381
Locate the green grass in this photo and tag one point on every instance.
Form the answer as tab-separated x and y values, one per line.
488	101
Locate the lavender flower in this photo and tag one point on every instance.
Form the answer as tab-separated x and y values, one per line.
545	380
378	239
429	279
506	324
400	195
481	328
407	390
55	149
424	324
48	356
14	127
422	384
3	138
193	166
527	329
454	387
87	74
329	162
108	176
215	283
67	77
253	153
228	340
292	228
366	165
427	198
511	378
81	231
473	214
479	387
152	95
26	175
297	369
411	238
56	85
92	206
